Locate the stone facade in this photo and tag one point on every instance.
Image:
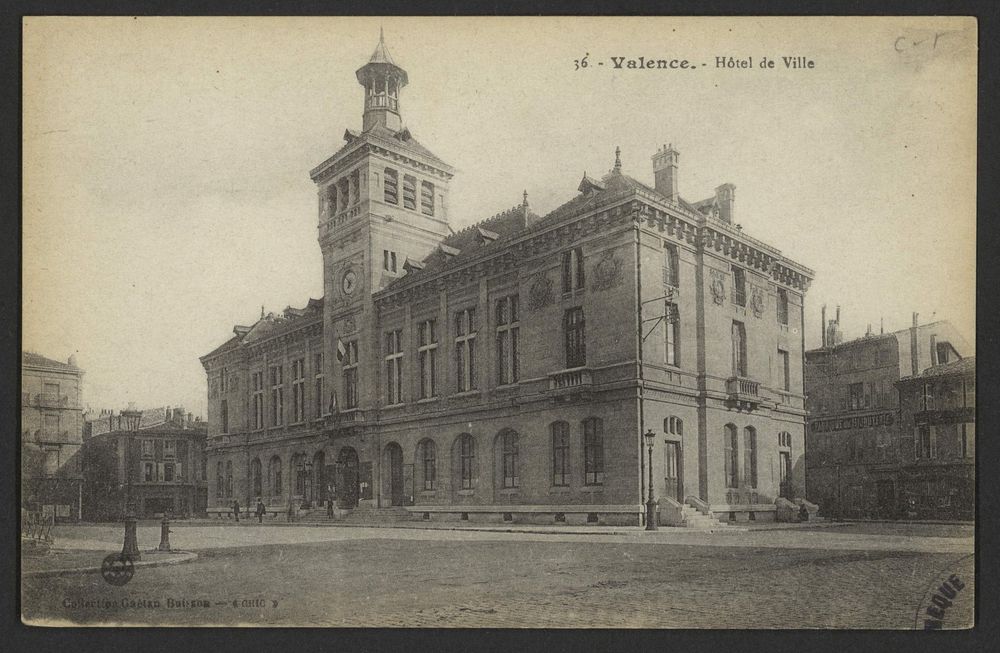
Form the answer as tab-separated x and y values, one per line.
856	417
51	435
497	372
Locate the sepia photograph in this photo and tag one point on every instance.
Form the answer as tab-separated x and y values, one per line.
499	322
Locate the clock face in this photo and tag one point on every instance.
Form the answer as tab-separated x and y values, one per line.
350	282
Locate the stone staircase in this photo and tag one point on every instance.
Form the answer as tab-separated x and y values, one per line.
359	516
692	518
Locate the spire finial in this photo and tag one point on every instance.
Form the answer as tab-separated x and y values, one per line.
525	201
618	159
262	311
381	34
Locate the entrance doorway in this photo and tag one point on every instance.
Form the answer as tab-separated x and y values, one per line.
394	461
319	478
347	483
785	470
885	495
673	484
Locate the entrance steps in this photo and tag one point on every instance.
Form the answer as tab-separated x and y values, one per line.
692	518
359	516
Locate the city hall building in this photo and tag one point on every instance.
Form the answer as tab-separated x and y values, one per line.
508	371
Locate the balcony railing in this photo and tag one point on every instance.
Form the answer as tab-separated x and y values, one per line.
579	377
743	392
383	101
345	421
51	400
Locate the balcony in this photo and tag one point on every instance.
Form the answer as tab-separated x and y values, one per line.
346	422
571	381
743	393
51	400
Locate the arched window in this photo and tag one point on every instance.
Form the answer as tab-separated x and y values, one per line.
229	478
593	451
750	451
467	460
508	452
560	453
274	475
427	456
255	475
673	426
732	456
220	480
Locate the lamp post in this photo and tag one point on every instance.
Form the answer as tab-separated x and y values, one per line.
650	502
130	418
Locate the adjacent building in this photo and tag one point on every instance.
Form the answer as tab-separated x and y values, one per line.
508	371
937	441
860	436
51	436
159	469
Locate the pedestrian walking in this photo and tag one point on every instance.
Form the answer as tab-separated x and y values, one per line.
236	509
260	511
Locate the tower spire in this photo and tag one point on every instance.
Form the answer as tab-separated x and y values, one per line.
382	80
618	160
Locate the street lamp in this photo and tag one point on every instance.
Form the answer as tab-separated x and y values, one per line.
650	502
130	419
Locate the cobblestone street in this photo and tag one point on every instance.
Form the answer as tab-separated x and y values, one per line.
410	577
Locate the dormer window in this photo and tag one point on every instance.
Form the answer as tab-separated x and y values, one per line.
486	236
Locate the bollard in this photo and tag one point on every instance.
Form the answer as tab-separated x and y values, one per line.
130	548
164	534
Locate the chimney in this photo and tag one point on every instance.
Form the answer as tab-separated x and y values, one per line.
914	363
190	418
934	356
665	171
822	324
725	197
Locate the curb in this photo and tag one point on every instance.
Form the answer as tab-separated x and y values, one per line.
175	558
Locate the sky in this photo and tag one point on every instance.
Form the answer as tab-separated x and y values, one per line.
167	196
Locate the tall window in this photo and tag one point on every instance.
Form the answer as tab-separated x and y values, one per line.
560	454
782	306
576	337
391	186
255	475
343	193
967	444
572	270
409	192
229	478
427	198
732	456
927	398
786	376
739	286
856	396
393	367
427	355
274	475
467	458
969	393
258	400
593	451
298	390
350	369
507	340
672	328
318	408
428	459
277	396
220	480
750	453
509	454
147	473
926	442
670	265
465	349
739	349
224	417
355	186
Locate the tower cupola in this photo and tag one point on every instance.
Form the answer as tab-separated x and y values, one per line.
382	80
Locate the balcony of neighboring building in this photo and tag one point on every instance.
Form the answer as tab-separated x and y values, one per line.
570	381
743	392
46	400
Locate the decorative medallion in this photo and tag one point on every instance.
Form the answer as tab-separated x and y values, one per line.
718	287
757	301
540	293
348	327
608	273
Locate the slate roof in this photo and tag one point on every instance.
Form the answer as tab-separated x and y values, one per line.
961	366
270	325
37	360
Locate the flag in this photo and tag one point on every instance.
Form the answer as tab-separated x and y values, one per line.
341	350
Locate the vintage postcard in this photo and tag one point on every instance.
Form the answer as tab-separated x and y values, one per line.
499	322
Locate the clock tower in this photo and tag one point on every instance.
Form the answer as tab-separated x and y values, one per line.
383	201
